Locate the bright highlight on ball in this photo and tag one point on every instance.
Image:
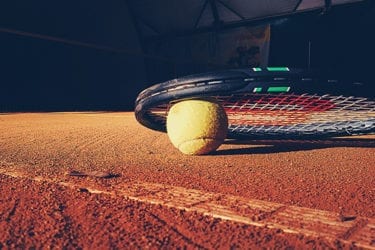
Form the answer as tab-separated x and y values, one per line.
197	127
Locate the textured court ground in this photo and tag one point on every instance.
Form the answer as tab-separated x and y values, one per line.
249	193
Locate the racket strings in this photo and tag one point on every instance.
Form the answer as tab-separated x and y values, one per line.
300	114
283	114
275	110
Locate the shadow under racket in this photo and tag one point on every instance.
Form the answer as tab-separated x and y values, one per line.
278	146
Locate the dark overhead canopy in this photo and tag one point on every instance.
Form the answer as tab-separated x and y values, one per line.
184	17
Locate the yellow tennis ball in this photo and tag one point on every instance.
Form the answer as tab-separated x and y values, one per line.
197	127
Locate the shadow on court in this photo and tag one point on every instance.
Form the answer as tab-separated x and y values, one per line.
279	146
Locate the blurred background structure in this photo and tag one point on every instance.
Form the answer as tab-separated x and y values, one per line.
98	55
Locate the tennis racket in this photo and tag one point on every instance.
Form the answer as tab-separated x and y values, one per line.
267	103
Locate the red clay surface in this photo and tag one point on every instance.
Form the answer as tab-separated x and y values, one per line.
39	151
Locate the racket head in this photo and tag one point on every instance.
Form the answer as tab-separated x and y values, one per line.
266	103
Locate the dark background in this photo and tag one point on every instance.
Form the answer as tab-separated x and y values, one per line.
38	74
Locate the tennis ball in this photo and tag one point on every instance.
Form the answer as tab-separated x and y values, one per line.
197	127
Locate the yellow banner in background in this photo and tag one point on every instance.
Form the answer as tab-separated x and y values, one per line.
240	47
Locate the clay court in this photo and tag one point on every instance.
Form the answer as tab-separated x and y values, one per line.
88	86
101	180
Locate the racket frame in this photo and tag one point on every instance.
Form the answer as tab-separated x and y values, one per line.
256	81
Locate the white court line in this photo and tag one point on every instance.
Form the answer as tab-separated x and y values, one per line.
357	231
